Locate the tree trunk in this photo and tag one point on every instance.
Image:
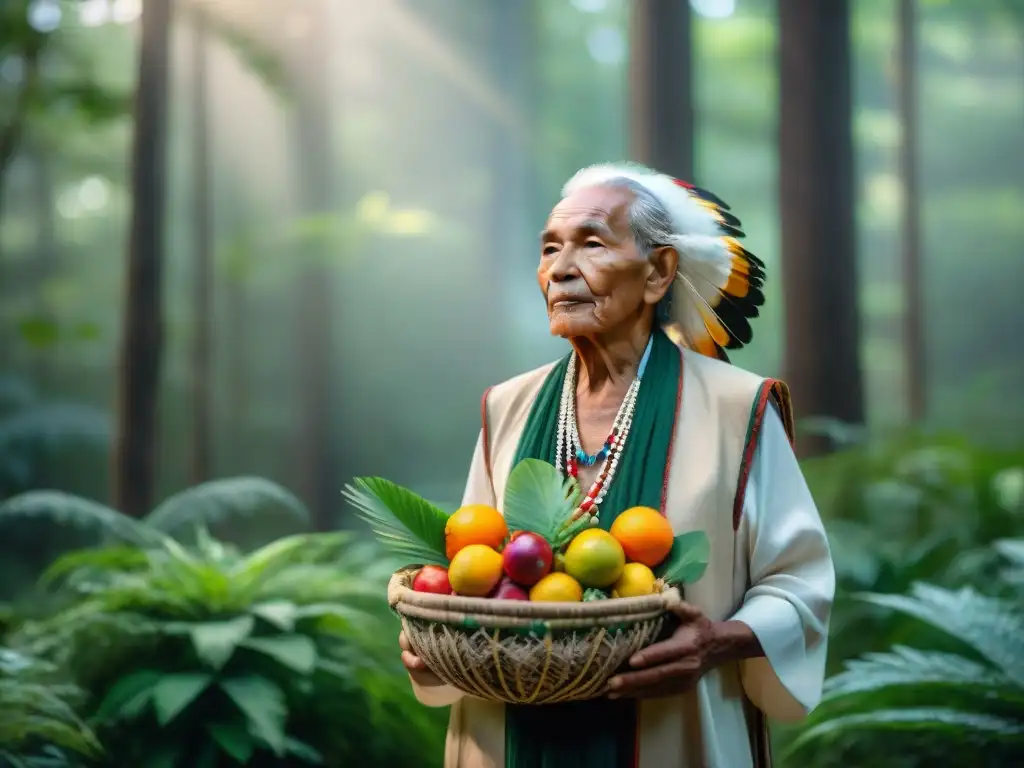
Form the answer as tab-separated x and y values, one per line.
315	166
134	464
819	272
661	123
202	222
913	309
46	259
510	53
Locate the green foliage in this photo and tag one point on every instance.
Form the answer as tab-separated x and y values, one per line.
409	525
966	702
539	499
38	723
687	560
204	654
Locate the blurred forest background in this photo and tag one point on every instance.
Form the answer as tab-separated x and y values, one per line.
250	249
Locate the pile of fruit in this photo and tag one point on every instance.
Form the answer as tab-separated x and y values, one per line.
586	564
545	548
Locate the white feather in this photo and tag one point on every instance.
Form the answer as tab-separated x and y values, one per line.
688	215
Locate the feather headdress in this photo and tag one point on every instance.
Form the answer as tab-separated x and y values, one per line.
718	285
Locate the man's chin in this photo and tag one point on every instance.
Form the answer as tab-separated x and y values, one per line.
568	327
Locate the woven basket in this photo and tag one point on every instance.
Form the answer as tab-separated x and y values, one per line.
520	652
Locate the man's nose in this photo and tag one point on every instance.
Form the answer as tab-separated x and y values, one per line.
564	267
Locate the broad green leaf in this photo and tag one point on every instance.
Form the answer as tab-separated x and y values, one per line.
234	739
173	693
280	613
165	755
263	704
297	652
538	498
404	522
303	751
254	500
215	641
688	559
127	697
66	509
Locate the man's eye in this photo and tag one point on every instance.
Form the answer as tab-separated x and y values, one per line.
593	244
549	250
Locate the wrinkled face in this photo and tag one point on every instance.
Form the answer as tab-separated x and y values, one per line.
594	276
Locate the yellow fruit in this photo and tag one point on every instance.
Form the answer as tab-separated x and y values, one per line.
645	535
557	588
636	580
474	524
475	570
594	558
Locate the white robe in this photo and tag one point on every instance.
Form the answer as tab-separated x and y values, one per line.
782	554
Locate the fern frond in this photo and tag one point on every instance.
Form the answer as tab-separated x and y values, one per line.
991	627
407	524
943	724
910	667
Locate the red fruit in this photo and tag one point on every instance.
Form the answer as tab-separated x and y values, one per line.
527	558
509	590
432	578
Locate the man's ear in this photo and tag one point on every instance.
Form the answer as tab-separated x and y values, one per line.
665	263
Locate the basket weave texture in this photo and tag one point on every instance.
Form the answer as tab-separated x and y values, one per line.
520	652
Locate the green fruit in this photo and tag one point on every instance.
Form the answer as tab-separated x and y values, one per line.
594	558
594	594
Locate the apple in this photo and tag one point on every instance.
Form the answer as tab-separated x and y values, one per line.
432	578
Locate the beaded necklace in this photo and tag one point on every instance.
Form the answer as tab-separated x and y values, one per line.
569	452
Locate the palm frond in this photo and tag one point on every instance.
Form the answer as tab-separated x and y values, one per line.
991	627
407	524
65	509
259	504
539	499
944	724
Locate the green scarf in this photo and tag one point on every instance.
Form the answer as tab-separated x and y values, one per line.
600	733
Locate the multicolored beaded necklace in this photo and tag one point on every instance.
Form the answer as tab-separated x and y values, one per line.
569	452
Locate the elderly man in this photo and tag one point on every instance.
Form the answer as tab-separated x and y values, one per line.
644	276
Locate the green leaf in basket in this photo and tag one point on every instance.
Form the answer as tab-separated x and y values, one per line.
406	523
686	562
539	499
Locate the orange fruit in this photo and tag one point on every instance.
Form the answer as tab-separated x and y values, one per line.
645	535
475	570
557	588
474	524
636	580
594	558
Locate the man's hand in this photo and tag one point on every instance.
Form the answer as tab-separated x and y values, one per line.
674	666
417	669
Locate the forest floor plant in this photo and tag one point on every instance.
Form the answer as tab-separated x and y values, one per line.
955	698
194	654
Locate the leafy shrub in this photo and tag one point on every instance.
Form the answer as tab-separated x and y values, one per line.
956	699
205	657
38	725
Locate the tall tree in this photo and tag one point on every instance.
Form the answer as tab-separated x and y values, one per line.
660	86
310	63
142	336
913	309
202	224
822	358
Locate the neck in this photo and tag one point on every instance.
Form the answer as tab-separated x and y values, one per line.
609	362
